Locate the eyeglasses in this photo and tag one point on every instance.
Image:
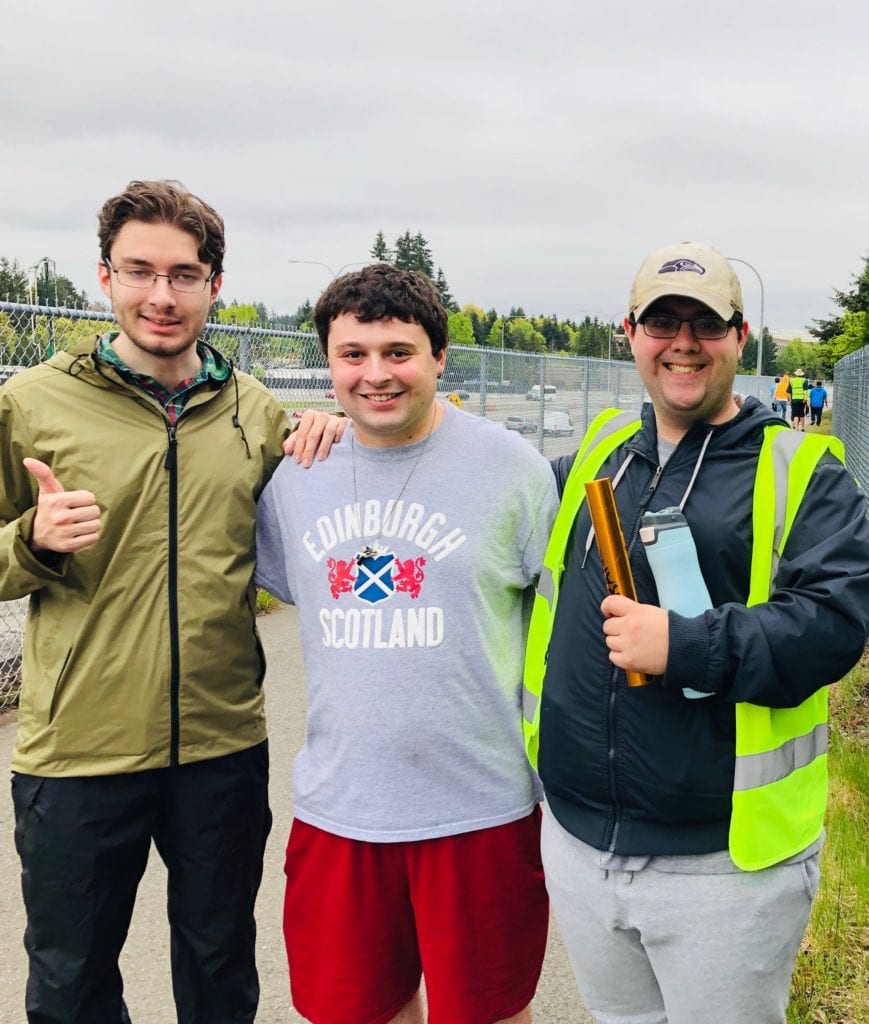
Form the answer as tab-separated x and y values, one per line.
704	328
179	280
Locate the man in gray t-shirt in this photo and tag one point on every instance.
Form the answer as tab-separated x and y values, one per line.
412	553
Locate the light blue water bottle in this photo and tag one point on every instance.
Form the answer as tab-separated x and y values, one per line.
672	556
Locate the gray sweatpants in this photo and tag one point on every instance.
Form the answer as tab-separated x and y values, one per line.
678	946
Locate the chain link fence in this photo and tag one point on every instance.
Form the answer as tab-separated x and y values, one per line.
851	411
549	399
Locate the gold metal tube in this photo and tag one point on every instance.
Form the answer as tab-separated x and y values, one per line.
613	550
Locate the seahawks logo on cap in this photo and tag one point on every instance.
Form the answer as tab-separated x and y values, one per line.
672	266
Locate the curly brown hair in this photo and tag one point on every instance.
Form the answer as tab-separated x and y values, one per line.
164	202
383	292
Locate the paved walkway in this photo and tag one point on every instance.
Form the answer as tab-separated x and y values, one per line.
146	955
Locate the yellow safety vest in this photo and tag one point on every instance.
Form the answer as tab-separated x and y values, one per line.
798	388
780	777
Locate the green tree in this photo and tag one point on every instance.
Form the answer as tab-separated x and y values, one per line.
380	251
245	315
9	340
854	301
460	329
303	318
13	281
855	334
478	322
403	255
422	256
748	361
440	283
59	291
592	338
802	355
412	252
520	335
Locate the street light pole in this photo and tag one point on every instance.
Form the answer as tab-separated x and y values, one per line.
736	259
325	266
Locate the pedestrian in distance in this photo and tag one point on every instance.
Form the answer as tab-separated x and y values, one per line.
684	818
798	393
130	471
780	395
817	403
415	846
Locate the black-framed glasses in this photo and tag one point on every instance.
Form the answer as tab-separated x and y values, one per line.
704	328
179	280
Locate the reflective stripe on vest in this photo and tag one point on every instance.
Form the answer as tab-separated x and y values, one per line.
780	783
780	775
607	432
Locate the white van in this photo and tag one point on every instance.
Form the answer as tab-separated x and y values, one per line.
549	392
557	423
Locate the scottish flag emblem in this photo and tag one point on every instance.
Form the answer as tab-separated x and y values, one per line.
374	578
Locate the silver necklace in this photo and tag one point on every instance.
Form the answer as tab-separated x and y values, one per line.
377	548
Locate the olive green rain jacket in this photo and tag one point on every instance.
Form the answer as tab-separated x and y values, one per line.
142	650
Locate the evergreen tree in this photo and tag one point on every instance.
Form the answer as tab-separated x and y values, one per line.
403	254
444	292
380	251
748	361
855	301
59	291
303	315
412	252
477	317
422	256
13	281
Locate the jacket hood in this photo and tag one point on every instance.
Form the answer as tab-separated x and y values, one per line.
82	361
751	418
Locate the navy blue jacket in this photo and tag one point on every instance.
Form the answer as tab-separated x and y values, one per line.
643	770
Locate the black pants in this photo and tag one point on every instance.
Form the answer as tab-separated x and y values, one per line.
84	843
816	411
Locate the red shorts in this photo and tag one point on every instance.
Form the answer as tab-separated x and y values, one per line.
363	922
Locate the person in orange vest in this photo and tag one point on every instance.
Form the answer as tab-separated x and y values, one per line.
780	395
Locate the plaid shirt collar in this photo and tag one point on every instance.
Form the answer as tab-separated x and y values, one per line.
214	368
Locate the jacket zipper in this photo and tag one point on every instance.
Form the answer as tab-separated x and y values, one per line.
611	753
171	465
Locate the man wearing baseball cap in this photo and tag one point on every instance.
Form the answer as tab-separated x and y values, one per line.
684	816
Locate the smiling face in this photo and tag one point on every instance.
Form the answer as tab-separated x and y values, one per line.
689	381
385	377
159	326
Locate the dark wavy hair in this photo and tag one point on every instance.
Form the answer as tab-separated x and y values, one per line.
164	202
383	292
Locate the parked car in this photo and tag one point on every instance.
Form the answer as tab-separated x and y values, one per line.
557	423
522	424
549	392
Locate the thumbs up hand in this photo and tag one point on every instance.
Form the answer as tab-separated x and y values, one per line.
65	521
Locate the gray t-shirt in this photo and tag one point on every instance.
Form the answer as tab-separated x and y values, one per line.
414	657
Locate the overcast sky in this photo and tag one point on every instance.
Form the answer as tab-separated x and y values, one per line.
542	148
